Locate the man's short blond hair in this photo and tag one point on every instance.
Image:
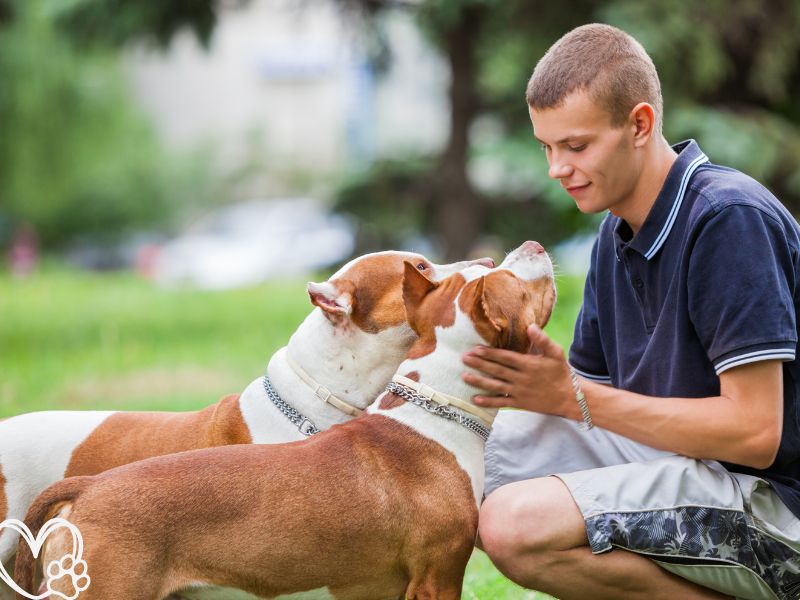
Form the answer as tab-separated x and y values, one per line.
606	62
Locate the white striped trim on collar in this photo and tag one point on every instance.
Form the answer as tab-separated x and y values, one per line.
590	377
743	359
673	213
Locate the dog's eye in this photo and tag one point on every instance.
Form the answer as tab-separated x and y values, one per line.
422	266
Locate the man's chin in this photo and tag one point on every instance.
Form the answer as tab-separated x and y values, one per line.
589	208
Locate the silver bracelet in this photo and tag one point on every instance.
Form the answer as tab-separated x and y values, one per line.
581	398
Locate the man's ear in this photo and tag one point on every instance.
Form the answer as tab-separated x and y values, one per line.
335	299
643	119
415	287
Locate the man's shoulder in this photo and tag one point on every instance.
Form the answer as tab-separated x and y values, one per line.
724	192
722	187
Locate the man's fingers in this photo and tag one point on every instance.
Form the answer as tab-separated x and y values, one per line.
494	386
507	358
542	344
489	367
492	401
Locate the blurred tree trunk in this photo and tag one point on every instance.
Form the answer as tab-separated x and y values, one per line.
459	207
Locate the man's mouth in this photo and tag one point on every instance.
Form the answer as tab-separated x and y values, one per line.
575	189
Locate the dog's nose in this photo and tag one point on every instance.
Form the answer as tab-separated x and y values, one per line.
533	247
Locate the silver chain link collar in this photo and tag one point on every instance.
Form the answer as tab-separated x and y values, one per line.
406	393
307	427
303	424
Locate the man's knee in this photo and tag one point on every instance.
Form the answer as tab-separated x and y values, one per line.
524	525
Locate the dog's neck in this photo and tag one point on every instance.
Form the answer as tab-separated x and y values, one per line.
442	370
354	365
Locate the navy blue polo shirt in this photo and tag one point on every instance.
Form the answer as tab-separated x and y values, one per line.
710	282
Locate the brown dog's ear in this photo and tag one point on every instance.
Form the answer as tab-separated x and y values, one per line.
335	298
490	321
415	287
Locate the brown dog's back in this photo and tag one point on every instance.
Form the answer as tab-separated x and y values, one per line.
336	501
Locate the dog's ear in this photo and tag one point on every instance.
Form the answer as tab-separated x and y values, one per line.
335	298
490	322
415	287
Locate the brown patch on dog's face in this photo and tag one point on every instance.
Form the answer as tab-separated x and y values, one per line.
502	306
392	400
126	437
429	305
543	296
377	287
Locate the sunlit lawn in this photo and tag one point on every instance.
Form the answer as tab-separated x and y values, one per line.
75	340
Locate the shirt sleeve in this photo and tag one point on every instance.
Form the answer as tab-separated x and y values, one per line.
586	355
741	288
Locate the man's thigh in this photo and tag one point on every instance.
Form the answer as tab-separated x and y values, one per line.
725	531
526	445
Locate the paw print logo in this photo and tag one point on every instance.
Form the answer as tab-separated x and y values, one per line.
73	570
70	566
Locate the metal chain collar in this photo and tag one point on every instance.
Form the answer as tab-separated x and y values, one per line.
438	409
303	424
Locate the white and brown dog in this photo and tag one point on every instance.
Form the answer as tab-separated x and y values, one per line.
384	506
352	342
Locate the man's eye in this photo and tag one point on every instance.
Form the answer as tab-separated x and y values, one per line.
422	266
577	148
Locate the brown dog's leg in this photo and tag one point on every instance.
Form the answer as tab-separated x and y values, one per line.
6	593
433	590
112	566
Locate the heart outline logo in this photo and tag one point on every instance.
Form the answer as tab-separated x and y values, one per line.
57	568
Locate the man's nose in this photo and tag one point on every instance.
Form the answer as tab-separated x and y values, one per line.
559	169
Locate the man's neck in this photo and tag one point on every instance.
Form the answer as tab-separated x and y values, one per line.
654	173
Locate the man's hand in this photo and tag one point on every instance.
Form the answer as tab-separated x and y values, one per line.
538	381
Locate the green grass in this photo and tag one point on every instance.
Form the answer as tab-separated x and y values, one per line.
75	340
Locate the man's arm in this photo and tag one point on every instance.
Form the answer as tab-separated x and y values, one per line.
742	425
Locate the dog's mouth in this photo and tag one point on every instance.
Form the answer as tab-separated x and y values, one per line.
529	253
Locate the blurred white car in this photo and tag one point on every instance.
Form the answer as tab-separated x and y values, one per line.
250	242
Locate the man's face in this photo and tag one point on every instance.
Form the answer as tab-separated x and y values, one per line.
595	162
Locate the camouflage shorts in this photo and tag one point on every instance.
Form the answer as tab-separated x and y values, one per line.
725	531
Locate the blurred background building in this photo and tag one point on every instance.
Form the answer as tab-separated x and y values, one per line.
299	77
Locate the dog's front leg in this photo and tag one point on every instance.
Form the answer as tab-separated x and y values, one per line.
434	588
6	593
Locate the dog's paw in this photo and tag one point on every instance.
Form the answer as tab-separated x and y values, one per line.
70	575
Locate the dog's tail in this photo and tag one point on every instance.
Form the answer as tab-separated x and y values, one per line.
46	504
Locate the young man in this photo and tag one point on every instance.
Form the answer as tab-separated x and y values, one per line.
689	486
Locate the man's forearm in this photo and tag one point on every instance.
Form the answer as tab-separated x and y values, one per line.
715	427
742	425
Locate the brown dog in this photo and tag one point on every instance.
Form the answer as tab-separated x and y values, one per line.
334	365
384	506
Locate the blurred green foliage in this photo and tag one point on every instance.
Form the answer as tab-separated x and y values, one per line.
76	155
73	339
111	23
730	75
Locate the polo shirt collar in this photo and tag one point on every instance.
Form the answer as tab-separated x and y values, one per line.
658	224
